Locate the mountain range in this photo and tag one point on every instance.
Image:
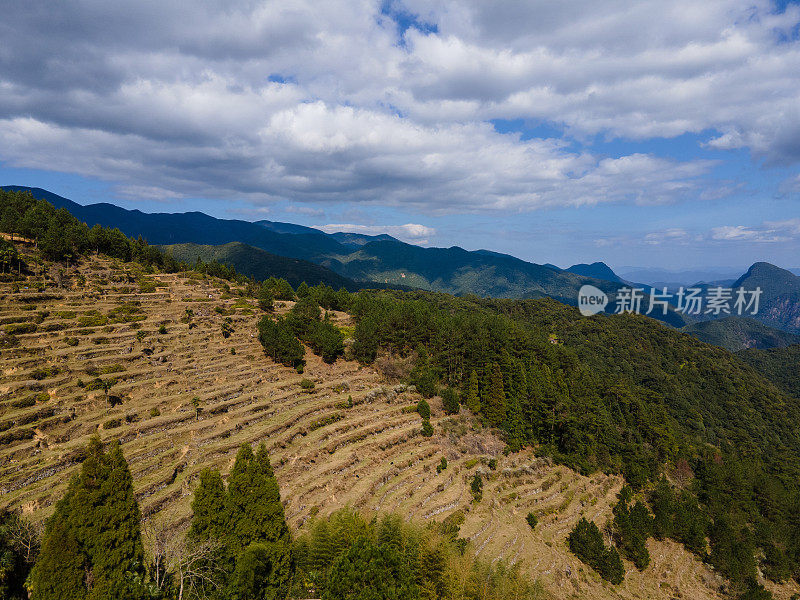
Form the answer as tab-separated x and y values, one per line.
353	260
378	259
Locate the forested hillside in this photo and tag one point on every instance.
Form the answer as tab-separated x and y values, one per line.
739	333
624	394
779	365
259	264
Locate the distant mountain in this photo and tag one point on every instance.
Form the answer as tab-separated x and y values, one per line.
360	239
660	278
279	227
598	270
738	333
780	299
353	256
458	271
198	228
259	264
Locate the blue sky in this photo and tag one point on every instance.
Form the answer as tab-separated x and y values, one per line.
638	133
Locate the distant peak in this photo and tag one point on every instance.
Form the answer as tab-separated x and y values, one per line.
598	270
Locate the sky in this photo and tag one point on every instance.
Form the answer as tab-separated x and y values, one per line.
640	133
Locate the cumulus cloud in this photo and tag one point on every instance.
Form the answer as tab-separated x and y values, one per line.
410	232
770	233
321	102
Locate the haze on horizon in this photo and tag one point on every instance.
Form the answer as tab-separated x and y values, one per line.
646	133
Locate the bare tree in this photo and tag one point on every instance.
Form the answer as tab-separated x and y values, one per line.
191	565
25	535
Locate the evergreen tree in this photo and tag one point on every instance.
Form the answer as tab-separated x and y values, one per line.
472	397
257	528
92	546
59	572
424	409
450	401
208	507
514	427
266	301
423	375
279	342
495	407
304	316
367	571
326	340
586	542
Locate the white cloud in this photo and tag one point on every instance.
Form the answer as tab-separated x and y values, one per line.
319	102
740	233
675	235
410	232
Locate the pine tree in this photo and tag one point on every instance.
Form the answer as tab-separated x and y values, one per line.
495	408
450	401
208	507
116	543
257	525
266	301
472	397
59	571
514	425
92	547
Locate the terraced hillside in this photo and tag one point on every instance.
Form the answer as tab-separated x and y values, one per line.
118	352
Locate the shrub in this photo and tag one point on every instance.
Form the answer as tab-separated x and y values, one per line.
154	412
9	341
21	328
476	487
532	520
427	428
450	401
442	465
112	424
424	409
492	463
24	402
326	340
586	542
44	373
307	385
162	329
71	341
279	342
92	320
